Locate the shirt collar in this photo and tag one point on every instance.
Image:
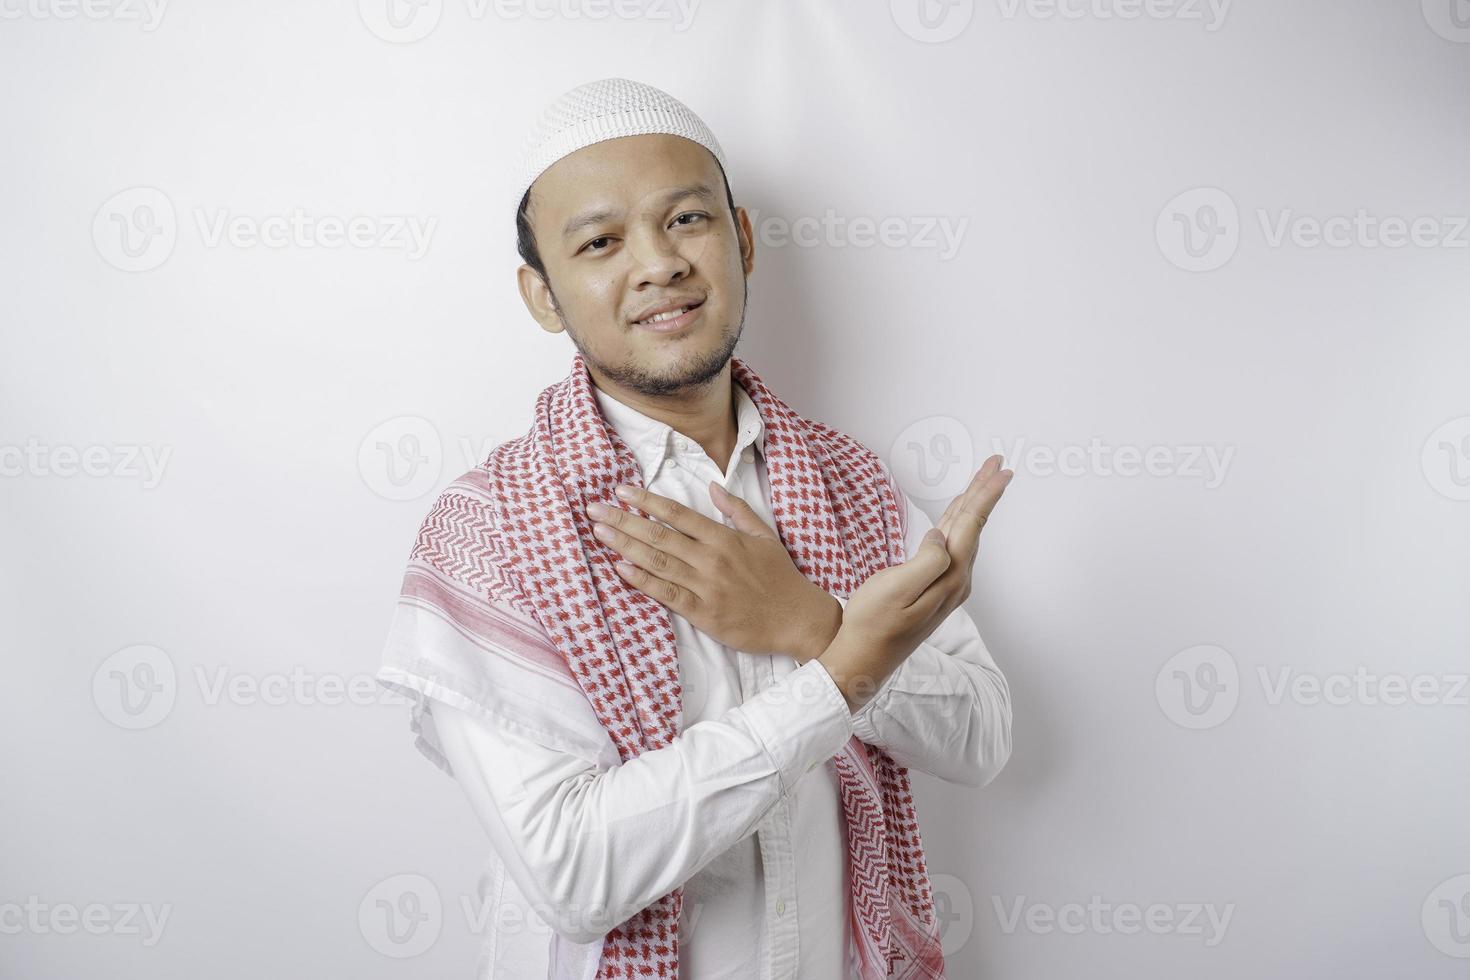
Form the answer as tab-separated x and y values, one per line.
652	441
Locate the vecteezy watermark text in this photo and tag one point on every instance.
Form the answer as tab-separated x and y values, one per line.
1211	13
137	687
1202	919
147	13
940	233
1200	687
403	915
406	21
1201	229
137	229
122	460
39	918
1205	463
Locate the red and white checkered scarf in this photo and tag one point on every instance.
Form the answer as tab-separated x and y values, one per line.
840	520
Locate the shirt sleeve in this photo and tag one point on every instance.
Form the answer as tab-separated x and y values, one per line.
946	710
590	846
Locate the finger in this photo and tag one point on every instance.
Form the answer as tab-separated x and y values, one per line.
675	596
972	511
975	513
742	515
651	532
987	468
948	515
646	555
687	521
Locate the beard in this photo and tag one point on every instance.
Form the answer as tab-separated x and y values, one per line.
688	374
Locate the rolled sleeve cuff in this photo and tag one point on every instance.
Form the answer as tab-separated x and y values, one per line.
802	720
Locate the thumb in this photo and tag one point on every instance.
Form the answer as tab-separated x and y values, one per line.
911	579
933	551
745	519
933	556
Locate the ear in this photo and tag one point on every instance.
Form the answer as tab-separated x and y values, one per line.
747	240
536	294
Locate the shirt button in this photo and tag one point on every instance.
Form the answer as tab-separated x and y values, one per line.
781	907
681	445
748	454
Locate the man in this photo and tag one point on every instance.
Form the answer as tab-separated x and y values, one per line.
679	645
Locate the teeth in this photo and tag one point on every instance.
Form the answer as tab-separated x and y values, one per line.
659	318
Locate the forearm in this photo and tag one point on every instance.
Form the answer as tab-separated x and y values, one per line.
856	668
944	714
944	709
594	848
816	631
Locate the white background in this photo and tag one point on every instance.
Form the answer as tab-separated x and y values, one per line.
1329	380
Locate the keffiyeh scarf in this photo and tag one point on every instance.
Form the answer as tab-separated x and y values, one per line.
840	520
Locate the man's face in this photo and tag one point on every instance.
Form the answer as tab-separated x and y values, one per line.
627	225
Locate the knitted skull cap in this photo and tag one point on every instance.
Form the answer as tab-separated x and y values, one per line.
606	109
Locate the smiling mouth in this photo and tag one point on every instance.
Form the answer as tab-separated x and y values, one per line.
672	320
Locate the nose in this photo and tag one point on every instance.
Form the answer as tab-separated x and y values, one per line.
658	259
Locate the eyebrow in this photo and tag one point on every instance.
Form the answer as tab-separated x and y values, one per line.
586	218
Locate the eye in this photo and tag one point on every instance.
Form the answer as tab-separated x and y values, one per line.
604	238
692	214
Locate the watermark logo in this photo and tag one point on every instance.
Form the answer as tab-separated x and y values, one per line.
401	916
933	459
401	459
135	687
401	21
954	907
1199	230
1199	687
1450	19
1446	459
404	915
135	230
932	21
1445	917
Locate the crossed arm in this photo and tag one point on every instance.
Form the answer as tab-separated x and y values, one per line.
575	835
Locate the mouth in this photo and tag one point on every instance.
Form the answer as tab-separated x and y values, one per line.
671	321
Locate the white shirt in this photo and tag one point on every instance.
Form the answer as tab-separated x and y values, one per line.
743	808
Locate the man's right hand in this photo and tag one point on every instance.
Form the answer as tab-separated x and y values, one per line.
896	608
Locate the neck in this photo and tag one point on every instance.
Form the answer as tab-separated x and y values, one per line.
704	413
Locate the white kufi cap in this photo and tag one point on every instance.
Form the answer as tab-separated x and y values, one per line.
606	109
